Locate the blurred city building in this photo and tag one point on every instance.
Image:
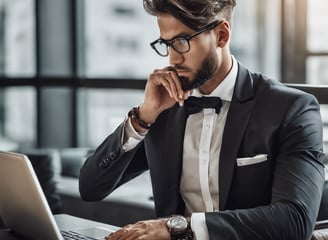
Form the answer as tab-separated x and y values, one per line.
110	41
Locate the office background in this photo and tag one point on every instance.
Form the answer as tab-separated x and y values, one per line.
70	70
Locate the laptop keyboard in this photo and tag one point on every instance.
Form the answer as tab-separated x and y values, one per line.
71	235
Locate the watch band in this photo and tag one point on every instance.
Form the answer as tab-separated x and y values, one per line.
188	235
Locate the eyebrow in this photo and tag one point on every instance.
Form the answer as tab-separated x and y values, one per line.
180	35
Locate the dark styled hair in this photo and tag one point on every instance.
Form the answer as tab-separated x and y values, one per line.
195	14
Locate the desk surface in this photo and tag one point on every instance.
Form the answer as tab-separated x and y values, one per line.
64	222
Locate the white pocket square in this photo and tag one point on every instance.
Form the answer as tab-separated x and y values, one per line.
252	160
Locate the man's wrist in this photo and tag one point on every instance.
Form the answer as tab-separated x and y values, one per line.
137	122
180	228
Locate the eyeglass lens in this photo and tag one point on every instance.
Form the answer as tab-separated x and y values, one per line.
161	47
181	45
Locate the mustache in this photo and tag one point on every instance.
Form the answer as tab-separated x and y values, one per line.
178	67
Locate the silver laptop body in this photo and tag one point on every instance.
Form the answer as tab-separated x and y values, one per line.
23	206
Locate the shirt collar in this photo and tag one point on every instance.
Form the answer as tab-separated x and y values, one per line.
225	89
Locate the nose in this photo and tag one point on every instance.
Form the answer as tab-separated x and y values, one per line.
175	58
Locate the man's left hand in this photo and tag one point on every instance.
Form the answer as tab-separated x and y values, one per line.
143	230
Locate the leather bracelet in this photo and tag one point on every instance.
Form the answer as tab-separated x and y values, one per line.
134	115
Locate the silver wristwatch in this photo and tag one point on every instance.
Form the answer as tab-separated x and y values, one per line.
179	228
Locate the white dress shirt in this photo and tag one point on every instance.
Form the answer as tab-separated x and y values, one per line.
199	185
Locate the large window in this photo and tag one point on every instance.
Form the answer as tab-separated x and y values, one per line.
101	112
317	51
317	42
17	59
17	38
84	64
18	118
317	34
116	45
256	36
117	36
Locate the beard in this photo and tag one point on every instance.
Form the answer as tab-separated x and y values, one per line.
208	67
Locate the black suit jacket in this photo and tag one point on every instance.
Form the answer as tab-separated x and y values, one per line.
275	199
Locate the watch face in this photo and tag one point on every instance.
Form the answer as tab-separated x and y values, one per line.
177	224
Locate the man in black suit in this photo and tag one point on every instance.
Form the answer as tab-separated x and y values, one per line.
247	167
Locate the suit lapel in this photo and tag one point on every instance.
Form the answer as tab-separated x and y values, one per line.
172	155
175	133
241	107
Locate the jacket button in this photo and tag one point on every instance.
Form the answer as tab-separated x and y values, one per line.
101	164
104	163
112	155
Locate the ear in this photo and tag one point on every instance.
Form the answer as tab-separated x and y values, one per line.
223	33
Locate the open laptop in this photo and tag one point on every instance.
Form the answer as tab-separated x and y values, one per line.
23	206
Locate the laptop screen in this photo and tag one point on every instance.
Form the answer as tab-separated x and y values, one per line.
23	206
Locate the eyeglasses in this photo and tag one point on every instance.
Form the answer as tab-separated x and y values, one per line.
179	44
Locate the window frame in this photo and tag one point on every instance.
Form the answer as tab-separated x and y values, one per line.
293	63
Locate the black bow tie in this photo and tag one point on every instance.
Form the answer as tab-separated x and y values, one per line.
196	104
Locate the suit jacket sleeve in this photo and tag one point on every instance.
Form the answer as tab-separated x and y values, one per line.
296	188
110	166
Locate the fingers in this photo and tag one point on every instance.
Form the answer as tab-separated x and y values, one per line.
169	79
143	230
175	84
118	235
126	234
165	80
179	94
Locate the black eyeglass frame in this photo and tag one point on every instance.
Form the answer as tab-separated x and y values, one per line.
168	43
